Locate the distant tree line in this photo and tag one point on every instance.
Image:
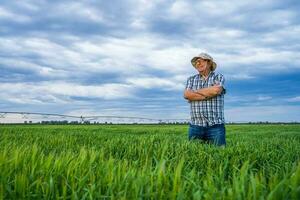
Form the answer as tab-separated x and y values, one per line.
66	122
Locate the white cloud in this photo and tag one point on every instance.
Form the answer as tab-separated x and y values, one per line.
180	9
217	8
30	6
154	82
6	14
263	113
139	24
239	76
80	10
33	69
253	99
264	98
137	54
294	99
286	36
60	92
275	18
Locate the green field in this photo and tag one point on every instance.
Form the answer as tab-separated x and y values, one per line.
147	162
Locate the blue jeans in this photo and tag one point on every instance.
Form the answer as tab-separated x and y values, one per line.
212	134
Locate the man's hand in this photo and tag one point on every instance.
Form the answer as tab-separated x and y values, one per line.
193	96
211	91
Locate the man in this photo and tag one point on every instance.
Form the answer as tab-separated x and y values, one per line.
205	93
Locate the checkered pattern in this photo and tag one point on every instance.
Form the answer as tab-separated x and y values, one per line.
211	111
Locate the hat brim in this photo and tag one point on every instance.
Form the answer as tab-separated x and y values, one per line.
193	61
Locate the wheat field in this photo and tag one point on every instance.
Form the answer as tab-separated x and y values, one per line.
147	162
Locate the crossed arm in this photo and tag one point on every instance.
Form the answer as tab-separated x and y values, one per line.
203	94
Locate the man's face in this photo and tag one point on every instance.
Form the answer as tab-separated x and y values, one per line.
201	64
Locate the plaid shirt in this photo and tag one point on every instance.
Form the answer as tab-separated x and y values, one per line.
211	111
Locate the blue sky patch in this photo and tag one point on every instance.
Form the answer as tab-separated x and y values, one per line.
132	58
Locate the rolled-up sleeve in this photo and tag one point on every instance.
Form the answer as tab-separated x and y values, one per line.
221	81
189	84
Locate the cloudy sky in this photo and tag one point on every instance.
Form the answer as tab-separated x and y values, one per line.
132	57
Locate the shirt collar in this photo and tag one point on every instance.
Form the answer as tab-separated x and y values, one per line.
210	74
